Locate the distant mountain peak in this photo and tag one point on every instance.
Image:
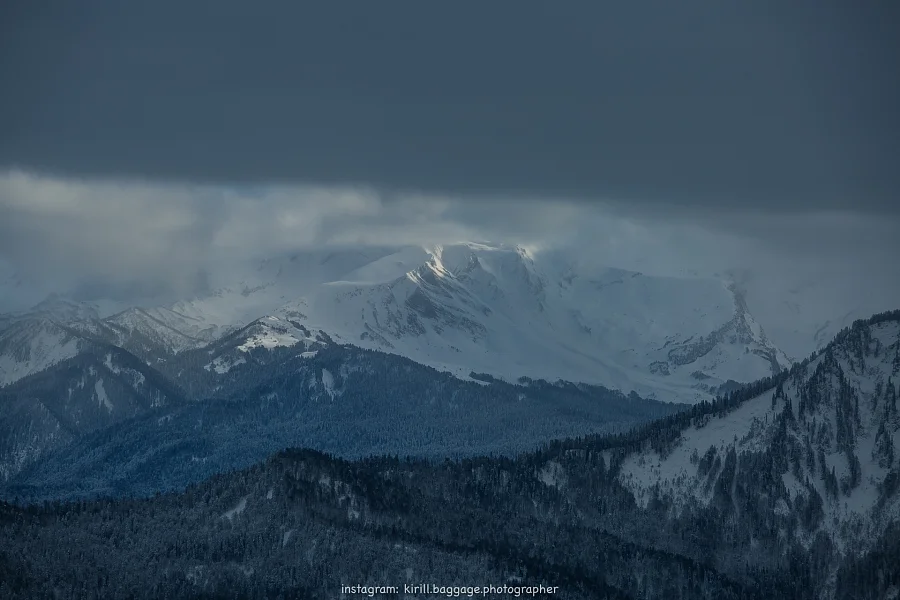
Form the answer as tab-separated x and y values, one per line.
505	309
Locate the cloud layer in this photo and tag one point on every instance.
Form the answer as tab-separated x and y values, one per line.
766	106
141	237
149	147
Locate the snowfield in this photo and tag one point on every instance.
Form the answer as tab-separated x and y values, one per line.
501	310
469	307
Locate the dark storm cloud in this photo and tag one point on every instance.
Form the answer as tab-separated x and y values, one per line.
759	105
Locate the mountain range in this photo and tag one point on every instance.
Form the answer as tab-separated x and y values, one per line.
501	310
308	423
474	311
787	487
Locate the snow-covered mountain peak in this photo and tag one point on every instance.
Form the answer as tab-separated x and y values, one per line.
503	270
510	313
506	310
283	329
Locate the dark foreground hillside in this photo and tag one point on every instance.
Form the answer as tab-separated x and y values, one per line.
304	524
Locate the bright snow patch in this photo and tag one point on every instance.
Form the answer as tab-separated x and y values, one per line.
268	340
553	475
102	398
286	537
328	382
223	364
231	514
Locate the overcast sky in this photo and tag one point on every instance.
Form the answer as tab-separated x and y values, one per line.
154	140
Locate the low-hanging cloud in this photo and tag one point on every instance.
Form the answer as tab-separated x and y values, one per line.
66	233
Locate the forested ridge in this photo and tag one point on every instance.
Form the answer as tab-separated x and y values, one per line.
307	521
340	399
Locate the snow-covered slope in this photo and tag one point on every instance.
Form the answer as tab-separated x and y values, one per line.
99	386
29	345
156	332
818	447
501	311
258	290
161	328
487	308
278	330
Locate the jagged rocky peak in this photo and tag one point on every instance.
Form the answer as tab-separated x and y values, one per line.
462	256
504	269
455	258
